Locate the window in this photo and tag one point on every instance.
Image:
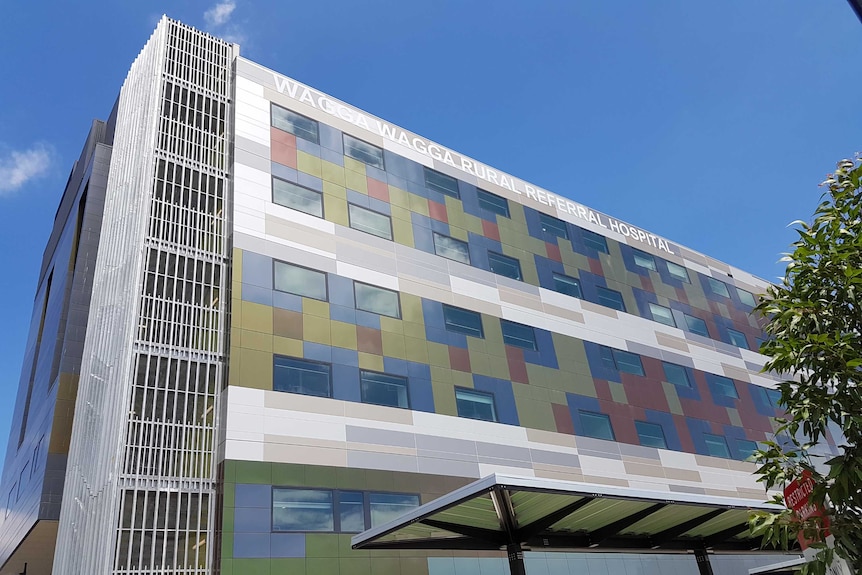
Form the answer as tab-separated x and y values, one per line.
662	314
299	281
723	386
475	404
10	498
677	271
385	507
718	287
644	260
746	297
363	151
369	221
774	396
610	298
651	434
595	241
676	374
294	375
22	479
37	451
451	248
596	425
351	511
737	338
463	321
336	511
745	448
696	325
518	334
442	183
377	300
290	195
567	285
554	226
716	445
504	265
621	360
296	124
383	389
493	203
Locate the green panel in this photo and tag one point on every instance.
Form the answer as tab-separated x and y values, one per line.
254	472
319	566
356	181
227	544
308	164
332	173
293	566
321	545
355	565
288	475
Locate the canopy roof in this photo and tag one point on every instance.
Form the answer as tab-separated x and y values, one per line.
546	514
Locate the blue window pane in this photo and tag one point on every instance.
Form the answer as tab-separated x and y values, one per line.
716	445
518	335
651	434
383	389
662	314
596	425
463	321
595	241
567	285
441	182
301	376
363	151
385	507
493	203
737	338
554	226
746	297
610	298
745	448
302	510
351	511
676	374
475	404
628	362
300	281
607	355
718	287
295	124
644	260
774	396
696	325
724	386
504	265
290	195
451	248
377	300
678	271
369	221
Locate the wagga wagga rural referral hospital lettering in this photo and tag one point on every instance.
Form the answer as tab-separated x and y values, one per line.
326	104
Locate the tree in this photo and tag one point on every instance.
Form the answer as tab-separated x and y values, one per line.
814	323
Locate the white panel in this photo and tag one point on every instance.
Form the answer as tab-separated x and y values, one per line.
367	276
474	289
246	85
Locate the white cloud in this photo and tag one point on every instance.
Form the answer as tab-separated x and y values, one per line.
19	167
219	14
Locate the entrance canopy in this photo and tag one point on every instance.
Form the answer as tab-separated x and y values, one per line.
528	513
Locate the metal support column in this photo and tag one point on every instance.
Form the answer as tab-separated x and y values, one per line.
516	560
703	565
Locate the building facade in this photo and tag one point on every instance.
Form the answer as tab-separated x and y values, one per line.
267	321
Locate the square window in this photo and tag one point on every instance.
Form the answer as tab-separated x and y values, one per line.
718	287
567	285
662	314
628	362
745	448
651	434
746	298
302	510
716	445
369	221
676	374
299	281
595	241
596	425
677	271
553	226
383	389
295	124
696	325
493	203
451	248
293	196
385	507
294	375
737	338
644	260
504	265
518	334
377	300
723	386
442	183
351	511
610	298
463	321
363	151
475	404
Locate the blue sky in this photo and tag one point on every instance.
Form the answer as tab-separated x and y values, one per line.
709	123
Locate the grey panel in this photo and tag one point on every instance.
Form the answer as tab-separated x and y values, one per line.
380	436
446	444
554	458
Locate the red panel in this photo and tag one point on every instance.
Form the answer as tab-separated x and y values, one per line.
369	340
517	365
596	267
437	211
684	435
645	393
283	154
563	418
553	252
490	230
378	190
646	283
459	358
282	137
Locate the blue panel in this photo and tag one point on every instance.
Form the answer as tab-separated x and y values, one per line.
283	172
357	198
340	291
257	294
545	354
375	173
252	520
341	313
437	335
697	428
395	366
367	319
589	281
423	238
417	187
380	206
345	383
534	226
310	181
418	370
251	545
668	426
394	180
316	351
397	166
308	147
256	269
504	397
421	393
344	356
546	268
471	202
598	369
332	156
692	392
287	301
581	402
629	261
436	196
331	139
717	397
287	545
248	495
440	227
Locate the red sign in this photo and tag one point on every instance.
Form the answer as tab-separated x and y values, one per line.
797	496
